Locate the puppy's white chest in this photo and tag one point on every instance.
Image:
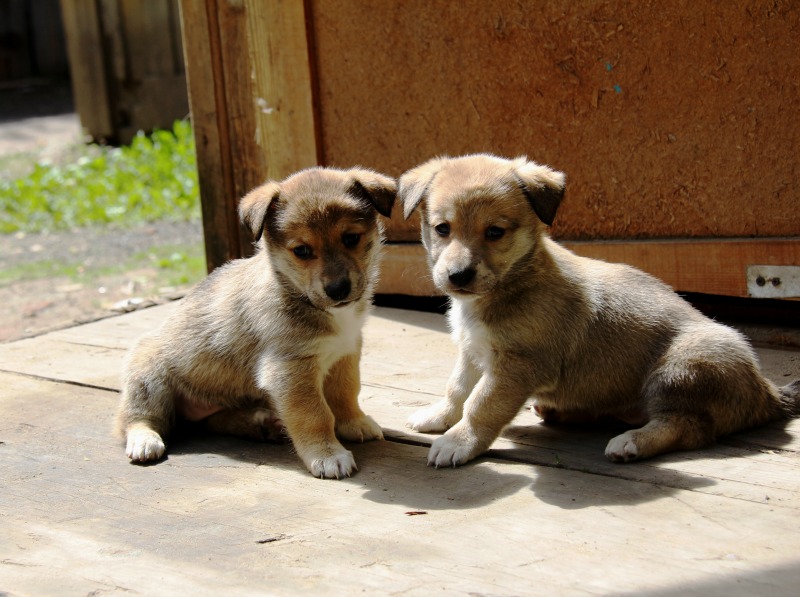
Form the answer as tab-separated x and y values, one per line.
472	336
346	338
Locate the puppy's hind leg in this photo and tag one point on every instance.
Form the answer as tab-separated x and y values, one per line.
442	415
342	386
677	397
145	416
706	384
255	423
663	433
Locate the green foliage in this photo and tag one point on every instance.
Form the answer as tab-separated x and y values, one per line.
154	178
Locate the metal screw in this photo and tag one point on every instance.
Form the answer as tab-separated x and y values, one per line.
761	281
776	282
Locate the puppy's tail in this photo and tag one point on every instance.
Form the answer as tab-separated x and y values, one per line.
790	398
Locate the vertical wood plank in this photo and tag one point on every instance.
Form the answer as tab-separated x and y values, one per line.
147	38
89	79
113	51
175	36
252	105
206	84
282	85
238	73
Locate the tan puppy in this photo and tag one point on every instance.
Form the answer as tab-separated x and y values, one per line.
584	337
272	341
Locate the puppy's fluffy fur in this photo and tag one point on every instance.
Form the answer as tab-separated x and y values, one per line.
272	342
584	337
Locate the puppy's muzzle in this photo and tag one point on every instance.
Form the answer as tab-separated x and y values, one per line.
338	290
461	278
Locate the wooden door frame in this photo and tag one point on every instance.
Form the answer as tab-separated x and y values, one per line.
251	96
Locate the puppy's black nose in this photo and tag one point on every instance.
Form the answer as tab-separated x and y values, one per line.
338	290
462	277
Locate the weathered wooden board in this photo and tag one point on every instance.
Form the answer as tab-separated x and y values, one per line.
250	91
407	359
667	118
716	266
90	354
116	332
222	515
126	63
600	92
90	85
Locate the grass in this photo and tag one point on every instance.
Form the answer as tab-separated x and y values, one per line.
168	265
93	187
36	270
154	178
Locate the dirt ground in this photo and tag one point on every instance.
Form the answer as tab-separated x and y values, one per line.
58	279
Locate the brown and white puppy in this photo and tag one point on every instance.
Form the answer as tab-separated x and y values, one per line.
584	337
272	342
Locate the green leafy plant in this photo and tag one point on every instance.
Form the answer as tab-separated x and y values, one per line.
153	178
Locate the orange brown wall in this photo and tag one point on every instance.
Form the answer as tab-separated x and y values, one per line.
670	119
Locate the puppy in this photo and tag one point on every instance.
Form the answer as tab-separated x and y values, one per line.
272	342
584	337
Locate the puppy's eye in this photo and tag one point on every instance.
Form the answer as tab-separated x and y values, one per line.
350	240
494	232
303	252
442	229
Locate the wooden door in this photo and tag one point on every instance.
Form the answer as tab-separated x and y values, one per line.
672	122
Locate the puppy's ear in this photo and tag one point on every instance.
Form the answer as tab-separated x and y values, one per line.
543	187
253	207
414	184
377	189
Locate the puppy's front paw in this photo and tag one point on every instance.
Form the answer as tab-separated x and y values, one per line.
332	466
436	418
144	445
454	448
622	448
361	429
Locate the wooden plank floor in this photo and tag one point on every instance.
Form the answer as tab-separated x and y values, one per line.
543	514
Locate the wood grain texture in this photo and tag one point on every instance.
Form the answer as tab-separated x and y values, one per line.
282	87
206	84
126	66
224	515
666	132
90	85
714	266
669	120
252	107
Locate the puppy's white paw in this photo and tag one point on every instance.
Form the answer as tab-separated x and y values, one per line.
435	418
362	429
144	445
622	448
333	466
453	449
